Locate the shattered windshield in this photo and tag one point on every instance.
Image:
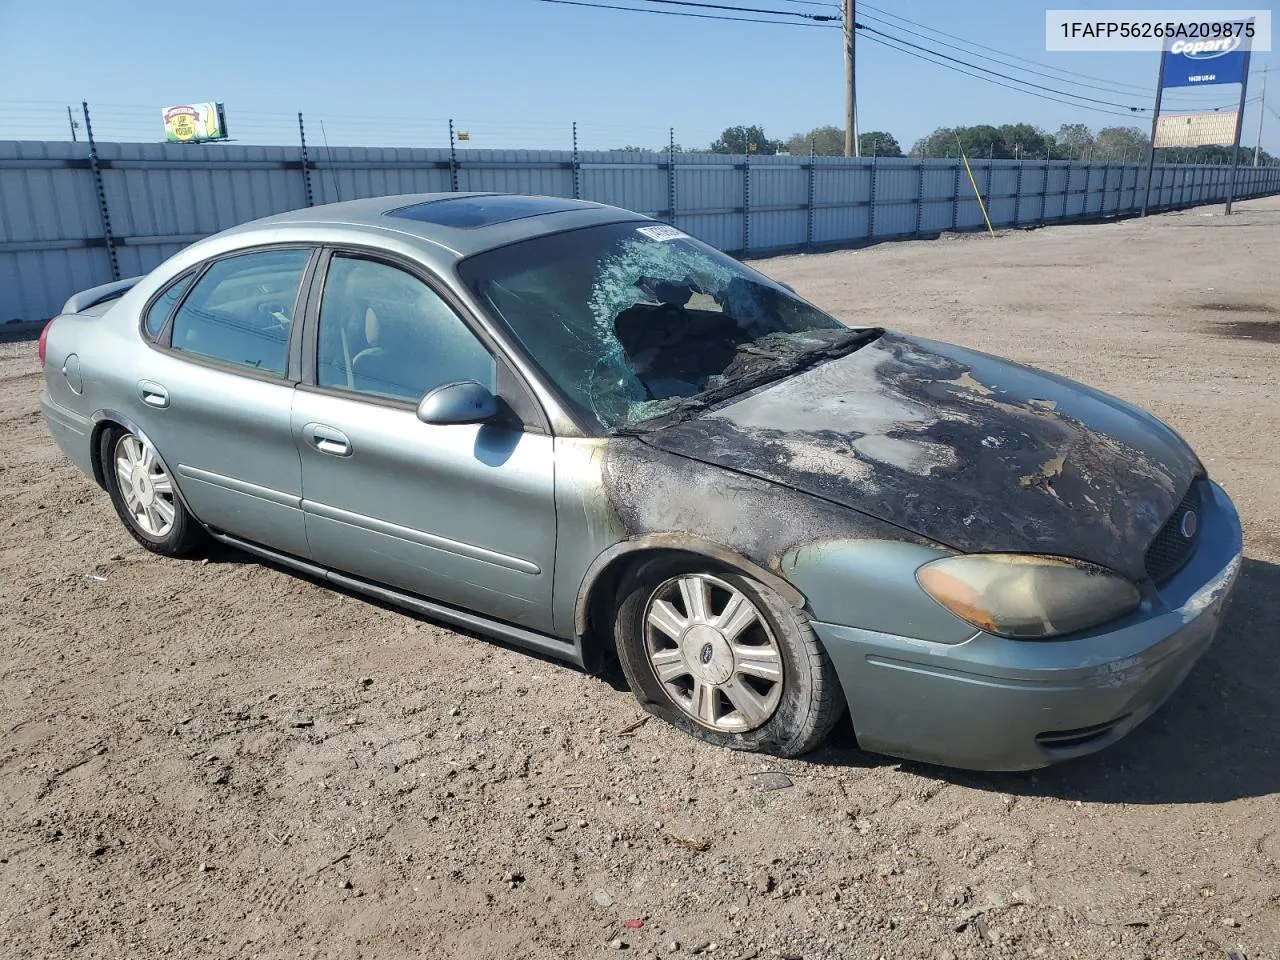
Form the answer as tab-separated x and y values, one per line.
632	320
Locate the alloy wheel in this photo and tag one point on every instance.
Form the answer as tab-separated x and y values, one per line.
714	653
145	486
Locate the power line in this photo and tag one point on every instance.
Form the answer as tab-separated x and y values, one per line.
1106	88
699	16
1074	98
996	73
972	43
1066	93
1111	85
718	6
1007	86
884	39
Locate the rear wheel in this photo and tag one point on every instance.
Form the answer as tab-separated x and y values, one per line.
724	658
143	494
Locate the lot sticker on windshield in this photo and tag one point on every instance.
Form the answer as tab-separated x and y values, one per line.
662	232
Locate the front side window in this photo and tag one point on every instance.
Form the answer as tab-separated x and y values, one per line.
385	333
631	320
163	305
241	309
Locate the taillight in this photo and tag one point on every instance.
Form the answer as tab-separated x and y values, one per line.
44	336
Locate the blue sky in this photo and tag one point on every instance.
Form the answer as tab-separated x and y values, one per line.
516	72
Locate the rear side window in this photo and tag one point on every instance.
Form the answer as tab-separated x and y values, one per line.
241	309
163	305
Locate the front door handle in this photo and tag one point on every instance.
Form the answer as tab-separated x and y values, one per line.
153	394
328	440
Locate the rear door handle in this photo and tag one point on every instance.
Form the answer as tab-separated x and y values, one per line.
328	440
153	394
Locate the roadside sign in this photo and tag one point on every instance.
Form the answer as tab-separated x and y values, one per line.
195	123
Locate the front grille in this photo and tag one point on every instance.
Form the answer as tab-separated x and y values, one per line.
1170	549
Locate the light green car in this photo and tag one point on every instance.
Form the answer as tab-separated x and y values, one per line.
585	432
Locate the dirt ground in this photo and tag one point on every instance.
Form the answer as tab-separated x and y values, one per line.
223	759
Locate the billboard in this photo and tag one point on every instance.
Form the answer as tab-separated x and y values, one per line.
195	123
1196	129
1196	63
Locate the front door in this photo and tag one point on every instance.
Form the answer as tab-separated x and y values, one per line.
463	514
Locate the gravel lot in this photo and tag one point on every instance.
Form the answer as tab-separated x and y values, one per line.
218	758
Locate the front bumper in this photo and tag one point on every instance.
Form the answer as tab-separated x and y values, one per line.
995	704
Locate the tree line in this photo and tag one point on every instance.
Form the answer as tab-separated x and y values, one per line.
1009	141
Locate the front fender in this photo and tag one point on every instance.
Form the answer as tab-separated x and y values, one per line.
871	584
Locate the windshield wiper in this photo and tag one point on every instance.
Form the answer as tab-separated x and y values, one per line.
688	407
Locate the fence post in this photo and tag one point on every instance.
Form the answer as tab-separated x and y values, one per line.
920	198
306	168
808	228
746	200
577	165
955	198
871	209
1066	193
990	181
100	187
453	160
671	174
1044	191
1017	195
1088	187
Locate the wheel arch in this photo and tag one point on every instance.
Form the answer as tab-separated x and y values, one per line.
600	583
106	419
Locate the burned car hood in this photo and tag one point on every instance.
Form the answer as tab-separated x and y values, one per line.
968	450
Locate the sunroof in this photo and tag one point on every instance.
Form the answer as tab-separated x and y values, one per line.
481	211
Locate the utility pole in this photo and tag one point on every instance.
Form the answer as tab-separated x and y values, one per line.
850	83
72	120
1235	147
1155	125
1262	111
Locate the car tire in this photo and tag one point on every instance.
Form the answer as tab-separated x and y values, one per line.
150	509
746	708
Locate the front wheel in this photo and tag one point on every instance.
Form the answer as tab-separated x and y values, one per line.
724	658
143	494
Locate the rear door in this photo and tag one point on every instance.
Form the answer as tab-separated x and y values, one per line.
218	390
463	514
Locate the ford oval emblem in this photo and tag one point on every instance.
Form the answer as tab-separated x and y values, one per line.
1189	524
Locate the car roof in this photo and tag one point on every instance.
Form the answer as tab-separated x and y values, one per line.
460	223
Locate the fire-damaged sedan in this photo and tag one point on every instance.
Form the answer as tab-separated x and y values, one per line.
585	432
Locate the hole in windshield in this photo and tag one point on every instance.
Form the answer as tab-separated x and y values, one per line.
633	320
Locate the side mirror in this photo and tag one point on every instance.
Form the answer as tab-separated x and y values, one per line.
464	401
783	283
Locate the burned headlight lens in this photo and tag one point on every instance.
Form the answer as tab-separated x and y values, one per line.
1027	597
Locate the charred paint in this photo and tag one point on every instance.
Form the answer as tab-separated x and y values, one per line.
654	491
962	448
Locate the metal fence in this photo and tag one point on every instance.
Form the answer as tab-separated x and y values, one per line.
71	218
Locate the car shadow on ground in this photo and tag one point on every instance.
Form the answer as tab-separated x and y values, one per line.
1216	739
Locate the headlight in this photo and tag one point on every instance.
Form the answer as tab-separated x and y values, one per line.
1027	597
